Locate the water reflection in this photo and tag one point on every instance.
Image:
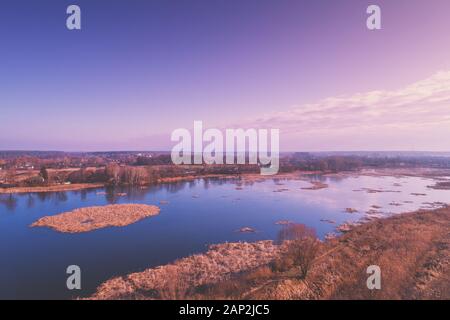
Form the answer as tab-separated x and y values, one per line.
9	201
30	201
195	214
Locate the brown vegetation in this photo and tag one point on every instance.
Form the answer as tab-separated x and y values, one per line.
51	188
175	281
302	248
441	185
92	218
412	250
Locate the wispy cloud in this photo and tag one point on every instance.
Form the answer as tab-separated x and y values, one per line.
421	103
424	105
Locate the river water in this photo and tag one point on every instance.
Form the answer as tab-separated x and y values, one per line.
33	261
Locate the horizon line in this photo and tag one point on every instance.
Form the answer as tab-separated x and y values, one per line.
287	151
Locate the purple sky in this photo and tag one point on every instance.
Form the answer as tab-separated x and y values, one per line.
140	69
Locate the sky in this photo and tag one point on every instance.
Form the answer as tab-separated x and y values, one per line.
137	70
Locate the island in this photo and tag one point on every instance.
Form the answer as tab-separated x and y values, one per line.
93	218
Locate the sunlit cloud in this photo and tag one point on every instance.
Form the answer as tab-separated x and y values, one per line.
423	105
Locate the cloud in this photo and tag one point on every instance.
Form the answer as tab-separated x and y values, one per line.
423	103
414	117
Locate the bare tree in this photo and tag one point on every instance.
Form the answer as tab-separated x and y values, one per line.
44	174
140	175
10	176
153	174
302	247
112	172
134	175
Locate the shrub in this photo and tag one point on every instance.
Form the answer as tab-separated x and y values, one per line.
302	247
259	274
282	264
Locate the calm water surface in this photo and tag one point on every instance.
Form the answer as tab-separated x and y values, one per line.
33	260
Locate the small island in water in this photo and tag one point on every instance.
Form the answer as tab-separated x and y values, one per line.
92	218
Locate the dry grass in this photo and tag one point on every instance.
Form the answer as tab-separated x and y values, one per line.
302	246
174	280
412	250
51	188
441	185
92	218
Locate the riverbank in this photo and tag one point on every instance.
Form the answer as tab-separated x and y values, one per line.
439	175
412	250
194	177
92	218
51	188
246	177
172	281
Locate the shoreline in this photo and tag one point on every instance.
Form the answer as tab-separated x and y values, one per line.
220	261
429	173
336	276
92	218
53	188
247	177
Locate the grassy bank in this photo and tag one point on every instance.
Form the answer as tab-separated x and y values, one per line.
51	188
412	250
